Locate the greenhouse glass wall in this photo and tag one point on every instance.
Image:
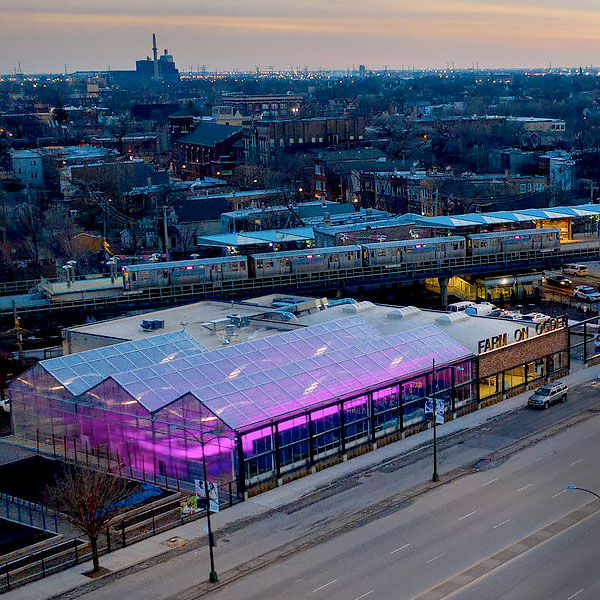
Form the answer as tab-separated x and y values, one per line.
162	406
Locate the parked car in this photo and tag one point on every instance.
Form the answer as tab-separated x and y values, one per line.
499	312
586	293
548	394
573	269
460	306
535	318
482	309
557	280
512	315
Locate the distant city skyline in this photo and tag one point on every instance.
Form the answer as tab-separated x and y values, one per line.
333	34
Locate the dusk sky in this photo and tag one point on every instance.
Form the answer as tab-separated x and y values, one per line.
44	35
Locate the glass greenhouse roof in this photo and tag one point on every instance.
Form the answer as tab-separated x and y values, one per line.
155	386
81	371
244	401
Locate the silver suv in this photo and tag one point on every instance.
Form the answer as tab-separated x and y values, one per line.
548	394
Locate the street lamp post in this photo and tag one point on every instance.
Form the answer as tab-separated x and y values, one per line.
574	487
436	476
212	577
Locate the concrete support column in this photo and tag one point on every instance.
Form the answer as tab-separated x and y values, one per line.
443	281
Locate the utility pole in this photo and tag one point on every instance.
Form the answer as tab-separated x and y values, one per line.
19	333
104	230
165	233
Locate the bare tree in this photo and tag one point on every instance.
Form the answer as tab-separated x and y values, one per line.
88	498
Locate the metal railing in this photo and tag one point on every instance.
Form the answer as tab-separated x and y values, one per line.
27	513
123	531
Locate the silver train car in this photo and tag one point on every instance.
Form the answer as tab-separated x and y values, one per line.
524	240
184	272
317	260
313	260
413	251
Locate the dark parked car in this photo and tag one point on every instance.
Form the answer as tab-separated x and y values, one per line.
557	280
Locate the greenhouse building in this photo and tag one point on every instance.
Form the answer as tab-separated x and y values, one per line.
256	413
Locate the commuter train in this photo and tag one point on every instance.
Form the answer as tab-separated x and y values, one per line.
317	260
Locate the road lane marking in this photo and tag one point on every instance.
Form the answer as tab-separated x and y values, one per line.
575	594
524	487
500	524
324	586
559	493
490	564
434	558
364	595
577	461
492	481
398	549
466	516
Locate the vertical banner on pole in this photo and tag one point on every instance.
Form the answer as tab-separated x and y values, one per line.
213	494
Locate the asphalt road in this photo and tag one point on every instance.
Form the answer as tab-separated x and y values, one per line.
447	531
374	554
564	568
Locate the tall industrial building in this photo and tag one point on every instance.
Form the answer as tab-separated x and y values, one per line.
160	68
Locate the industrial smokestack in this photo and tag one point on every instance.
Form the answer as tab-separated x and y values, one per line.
155	54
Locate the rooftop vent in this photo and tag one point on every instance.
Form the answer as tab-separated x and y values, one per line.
403	312
449	318
358	307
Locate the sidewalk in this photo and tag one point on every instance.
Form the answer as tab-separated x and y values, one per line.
121	559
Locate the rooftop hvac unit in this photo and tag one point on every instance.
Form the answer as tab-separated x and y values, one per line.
152	324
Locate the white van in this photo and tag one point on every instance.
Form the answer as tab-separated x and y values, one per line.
482	309
459	306
573	269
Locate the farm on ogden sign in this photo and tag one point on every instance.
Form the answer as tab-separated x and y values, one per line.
520	335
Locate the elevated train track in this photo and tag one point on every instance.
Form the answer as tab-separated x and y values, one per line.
321	281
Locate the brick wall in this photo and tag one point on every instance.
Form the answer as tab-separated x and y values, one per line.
523	352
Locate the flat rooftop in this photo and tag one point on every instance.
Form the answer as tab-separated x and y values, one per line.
389	320
205	321
261	317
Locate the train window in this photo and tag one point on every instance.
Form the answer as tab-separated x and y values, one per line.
134	276
219	268
269	263
372	253
259	264
462	244
234	266
455	245
282	262
381	253
483	243
144	275
336	256
243	266
475	244
357	253
165	274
